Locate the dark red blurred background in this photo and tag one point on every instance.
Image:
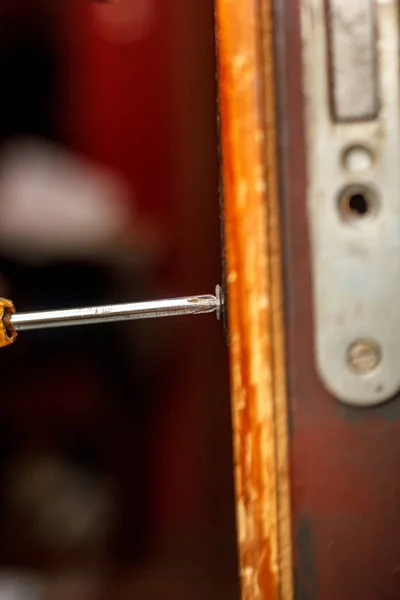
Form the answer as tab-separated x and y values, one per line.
136	91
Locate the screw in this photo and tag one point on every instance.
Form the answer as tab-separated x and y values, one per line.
363	356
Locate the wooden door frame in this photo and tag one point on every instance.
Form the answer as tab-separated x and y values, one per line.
255	295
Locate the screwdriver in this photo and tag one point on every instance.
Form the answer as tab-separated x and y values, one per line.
192	305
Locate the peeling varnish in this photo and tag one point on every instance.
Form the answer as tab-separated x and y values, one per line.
277	310
255	299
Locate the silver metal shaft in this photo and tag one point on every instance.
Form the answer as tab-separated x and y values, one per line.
191	305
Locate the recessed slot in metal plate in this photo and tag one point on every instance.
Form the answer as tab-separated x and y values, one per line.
352	49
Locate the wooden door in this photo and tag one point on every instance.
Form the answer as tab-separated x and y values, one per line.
317	488
254	283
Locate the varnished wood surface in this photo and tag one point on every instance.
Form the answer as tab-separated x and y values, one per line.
248	116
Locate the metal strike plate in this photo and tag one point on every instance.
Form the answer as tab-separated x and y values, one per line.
351	89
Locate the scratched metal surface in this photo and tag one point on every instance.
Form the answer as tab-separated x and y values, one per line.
345	462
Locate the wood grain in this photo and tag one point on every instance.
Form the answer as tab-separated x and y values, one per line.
248	121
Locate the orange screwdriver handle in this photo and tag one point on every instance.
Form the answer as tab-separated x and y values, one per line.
7	333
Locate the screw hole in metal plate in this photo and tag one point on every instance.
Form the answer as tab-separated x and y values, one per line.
357	202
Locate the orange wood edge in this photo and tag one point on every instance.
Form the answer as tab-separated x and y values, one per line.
258	377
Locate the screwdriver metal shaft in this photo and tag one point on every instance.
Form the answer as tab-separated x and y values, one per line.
191	305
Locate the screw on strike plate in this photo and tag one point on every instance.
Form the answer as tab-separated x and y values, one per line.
363	356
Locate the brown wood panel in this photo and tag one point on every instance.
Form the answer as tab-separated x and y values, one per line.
246	77
345	462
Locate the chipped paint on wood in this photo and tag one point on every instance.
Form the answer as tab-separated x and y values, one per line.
255	297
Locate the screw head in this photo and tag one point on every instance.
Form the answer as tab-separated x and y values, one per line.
363	356
220	301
